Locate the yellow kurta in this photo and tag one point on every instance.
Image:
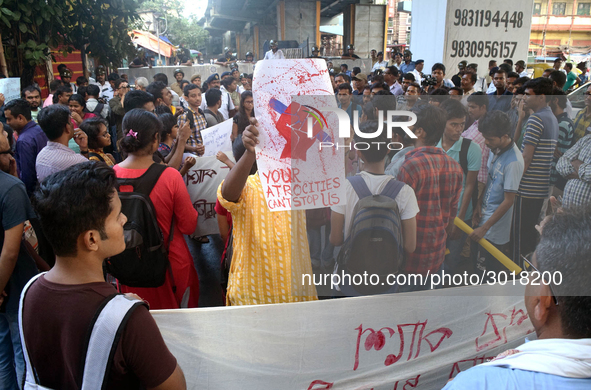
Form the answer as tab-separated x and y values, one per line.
270	251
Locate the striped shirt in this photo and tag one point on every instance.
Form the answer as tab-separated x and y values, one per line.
541	133
200	124
475	135
582	124
55	157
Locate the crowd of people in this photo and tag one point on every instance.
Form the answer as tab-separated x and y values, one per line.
502	153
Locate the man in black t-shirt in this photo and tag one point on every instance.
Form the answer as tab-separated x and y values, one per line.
227	58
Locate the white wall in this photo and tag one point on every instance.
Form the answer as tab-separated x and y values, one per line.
427	34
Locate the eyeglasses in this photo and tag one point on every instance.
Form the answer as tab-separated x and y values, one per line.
528	265
9	151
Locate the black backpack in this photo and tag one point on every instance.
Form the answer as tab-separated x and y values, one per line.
144	261
374	244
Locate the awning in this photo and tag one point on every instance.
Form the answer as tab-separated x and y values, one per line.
150	42
334	30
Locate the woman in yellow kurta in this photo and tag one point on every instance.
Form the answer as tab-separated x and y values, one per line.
271	250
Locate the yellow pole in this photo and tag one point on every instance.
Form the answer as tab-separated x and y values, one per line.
489	247
385	51
256	42
282	19
318	24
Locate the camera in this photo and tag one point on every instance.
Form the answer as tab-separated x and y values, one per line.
428	81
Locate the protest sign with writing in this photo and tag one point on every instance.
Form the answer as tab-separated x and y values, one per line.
10	88
217	138
296	174
203	180
398	341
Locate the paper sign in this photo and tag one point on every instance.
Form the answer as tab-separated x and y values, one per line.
399	341
10	88
217	138
202	182
295	173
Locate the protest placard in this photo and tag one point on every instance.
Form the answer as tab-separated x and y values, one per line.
217	138
398	341
202	181
10	88
295	172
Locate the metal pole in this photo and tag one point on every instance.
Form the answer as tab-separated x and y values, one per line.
158	37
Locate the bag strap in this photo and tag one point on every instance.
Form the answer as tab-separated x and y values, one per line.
392	188
359	186
146	182
30	376
464	155
107	328
91	154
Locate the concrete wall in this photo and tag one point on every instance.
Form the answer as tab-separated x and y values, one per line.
204	70
369	28
300	21
266	33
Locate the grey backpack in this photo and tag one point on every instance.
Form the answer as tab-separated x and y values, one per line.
374	244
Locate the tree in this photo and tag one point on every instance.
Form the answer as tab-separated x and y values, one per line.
34	27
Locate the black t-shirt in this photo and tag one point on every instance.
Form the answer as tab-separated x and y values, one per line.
226	59
139	61
351	55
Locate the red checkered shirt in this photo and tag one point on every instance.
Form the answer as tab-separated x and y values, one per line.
475	135
437	181
200	124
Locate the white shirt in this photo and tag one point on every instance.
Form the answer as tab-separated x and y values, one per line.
523	74
227	104
55	157
417	74
491	88
406	199
379	65
106	91
274	56
480	85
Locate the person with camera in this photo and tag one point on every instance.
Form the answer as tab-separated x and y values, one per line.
437	79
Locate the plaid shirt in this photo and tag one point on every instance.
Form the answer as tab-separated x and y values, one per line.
577	192
200	124
475	135
437	181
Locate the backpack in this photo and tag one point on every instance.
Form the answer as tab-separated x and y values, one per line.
107	326
144	261
464	163
374	244
92	154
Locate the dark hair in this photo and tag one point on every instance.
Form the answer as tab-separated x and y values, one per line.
560	97
345	65
77	199
19	107
162	78
479	98
162	109
519	91
79	99
82	91
187	90
228	81
473	76
495	124
243	119
183	84
213	96
118	83
506	67
565	249
137	99
458	89
53	120
376	150
54	85
549	70
156	89
30	88
541	86
501	71
168	122
432	120
60	91
438	66
81	80
147	126
344	86
113	77
393	70
356	70
409	76
440	92
557	59
417	86
513	75
92	128
382	85
558	77
491	63
368	110
94	91
60	67
454	109
344	76
521	80
384	101
508	61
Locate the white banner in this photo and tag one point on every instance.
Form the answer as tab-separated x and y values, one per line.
202	182
10	88
217	138
486	30
295	173
399	341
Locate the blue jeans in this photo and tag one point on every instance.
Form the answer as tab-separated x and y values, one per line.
453	260
12	363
